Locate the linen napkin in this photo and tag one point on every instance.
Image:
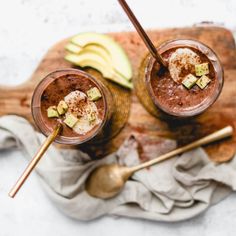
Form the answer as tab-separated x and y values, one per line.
174	190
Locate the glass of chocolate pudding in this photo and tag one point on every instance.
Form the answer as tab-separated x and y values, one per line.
82	104
191	84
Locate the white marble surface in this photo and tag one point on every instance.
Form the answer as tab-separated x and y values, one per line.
27	30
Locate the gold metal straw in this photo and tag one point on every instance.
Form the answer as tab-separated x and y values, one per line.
35	160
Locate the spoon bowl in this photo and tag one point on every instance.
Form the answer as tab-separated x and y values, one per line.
107	180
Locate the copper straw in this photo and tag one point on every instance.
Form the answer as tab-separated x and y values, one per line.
35	160
142	33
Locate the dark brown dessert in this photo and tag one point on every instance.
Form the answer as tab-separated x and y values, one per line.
62	87
174	95
75	99
191	83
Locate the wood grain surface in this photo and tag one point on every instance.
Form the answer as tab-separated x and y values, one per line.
16	100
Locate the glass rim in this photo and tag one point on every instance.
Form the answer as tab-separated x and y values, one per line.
37	115
206	50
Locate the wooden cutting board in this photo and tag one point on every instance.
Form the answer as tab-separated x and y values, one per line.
16	100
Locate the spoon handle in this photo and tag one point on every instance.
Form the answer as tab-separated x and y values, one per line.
218	135
35	160
142	32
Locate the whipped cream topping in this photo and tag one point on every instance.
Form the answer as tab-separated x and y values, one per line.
182	60
85	110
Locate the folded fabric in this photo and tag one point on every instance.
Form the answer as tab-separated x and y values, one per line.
174	190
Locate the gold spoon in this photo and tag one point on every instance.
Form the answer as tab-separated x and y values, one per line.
35	160
107	181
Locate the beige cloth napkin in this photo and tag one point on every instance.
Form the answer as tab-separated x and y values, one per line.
174	190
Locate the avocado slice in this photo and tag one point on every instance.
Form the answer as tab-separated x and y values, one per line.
70	47
70	120
52	112
189	81
203	81
202	69
93	48
94	94
62	107
97	62
119	58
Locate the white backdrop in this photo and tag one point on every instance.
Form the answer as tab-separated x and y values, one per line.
27	29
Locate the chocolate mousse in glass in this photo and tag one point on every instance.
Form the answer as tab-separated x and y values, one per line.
191	84
80	102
